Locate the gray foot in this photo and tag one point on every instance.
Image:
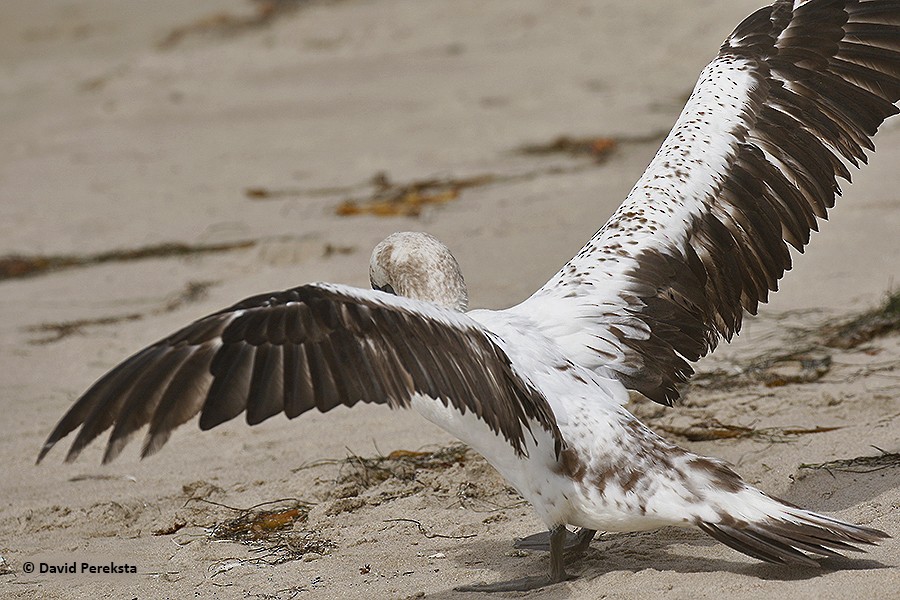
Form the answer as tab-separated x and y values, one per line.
575	543
557	539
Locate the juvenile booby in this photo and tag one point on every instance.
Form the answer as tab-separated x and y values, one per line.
793	97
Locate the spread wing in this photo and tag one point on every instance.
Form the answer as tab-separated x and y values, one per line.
312	347
793	97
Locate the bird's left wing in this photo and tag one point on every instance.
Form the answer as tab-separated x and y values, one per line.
312	347
751	164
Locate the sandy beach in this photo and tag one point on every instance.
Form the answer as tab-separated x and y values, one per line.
162	160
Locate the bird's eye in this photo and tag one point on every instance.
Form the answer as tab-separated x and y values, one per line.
385	288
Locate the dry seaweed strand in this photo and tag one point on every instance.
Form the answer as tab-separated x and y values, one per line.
409	199
271	534
467	494
364	473
712	429
812	361
359	475
253	524
21	266
283	594
803	365
420	459
16	266
599	148
867	326
860	464
225	23
430	534
54	332
391	198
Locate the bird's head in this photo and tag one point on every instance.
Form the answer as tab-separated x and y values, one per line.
416	265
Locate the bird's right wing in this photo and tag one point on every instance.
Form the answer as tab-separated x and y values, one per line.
751	164
316	346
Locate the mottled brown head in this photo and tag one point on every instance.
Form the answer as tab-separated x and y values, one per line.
416	265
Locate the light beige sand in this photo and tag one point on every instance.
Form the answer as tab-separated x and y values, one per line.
110	142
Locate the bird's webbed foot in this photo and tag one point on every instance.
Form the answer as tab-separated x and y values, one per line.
575	543
557	541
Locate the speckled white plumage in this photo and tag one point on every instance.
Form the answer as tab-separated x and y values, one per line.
593	292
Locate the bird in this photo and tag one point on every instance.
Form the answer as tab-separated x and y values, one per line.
790	102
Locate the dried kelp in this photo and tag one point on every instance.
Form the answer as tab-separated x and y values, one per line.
358	474
712	429
389	198
194	291
806	365
273	530
455	473
860	464
867	326
16	266
428	533
599	148
409	199
225	24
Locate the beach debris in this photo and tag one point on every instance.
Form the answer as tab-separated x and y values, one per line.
391	199
194	291
255	523
878	322
402	465
597	147
428	533
16	266
805	365
455	473
712	429
273	530
176	526
388	198
860	464
361	473
702	431
266	193
223	566
225	24
335	249
812	359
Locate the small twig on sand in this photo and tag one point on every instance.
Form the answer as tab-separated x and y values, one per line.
430	534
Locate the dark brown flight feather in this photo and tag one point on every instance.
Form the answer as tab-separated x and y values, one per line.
311	347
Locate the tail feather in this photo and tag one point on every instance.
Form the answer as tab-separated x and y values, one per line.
765	548
793	536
